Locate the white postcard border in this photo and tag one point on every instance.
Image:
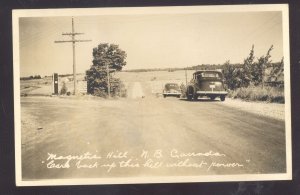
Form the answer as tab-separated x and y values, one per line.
138	11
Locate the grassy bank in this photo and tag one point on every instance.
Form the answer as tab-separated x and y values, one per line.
268	94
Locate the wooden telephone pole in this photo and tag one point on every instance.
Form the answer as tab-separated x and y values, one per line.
73	41
108	71
108	81
185	76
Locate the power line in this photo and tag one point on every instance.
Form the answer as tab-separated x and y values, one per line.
73	40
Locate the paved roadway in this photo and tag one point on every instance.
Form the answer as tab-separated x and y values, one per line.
66	126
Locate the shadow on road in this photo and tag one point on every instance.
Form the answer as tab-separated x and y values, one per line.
200	100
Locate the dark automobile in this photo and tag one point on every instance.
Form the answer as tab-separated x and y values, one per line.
171	89
209	83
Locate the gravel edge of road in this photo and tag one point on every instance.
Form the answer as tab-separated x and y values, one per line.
271	110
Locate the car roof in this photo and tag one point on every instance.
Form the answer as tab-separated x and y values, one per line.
211	71
171	84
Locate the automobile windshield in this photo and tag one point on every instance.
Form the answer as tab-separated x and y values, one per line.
171	86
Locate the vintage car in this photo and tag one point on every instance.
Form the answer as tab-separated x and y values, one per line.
209	83
171	89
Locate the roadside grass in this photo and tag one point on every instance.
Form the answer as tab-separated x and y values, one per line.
267	94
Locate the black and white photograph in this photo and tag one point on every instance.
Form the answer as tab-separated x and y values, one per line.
152	94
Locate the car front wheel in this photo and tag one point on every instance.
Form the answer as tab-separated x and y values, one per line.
222	98
190	94
212	97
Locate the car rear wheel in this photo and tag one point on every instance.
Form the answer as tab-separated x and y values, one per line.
195	97
190	94
165	96
189	97
222	98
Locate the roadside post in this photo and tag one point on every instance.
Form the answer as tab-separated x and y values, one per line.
55	83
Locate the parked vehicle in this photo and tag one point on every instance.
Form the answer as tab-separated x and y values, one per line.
209	83
171	89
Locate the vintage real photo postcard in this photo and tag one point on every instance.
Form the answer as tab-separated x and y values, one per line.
152	95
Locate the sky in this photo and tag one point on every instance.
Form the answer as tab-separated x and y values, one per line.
150	41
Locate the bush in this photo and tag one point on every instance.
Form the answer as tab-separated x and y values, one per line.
269	94
183	90
100	93
117	89
63	89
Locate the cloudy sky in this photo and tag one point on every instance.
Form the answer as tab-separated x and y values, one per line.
150	41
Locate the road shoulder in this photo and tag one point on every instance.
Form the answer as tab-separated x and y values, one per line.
271	110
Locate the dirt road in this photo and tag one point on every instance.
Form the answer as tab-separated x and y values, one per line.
174	136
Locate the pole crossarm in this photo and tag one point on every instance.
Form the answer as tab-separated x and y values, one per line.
72	33
62	41
72	41
82	40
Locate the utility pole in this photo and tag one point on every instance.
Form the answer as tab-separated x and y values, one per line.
108	71
185	77
73	41
108	82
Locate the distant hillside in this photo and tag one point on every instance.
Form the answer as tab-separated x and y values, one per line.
273	73
197	67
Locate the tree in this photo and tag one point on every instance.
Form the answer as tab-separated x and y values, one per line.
109	54
238	79
37	77
248	68
105	56
258	72
276	73
228	70
278	68
239	76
